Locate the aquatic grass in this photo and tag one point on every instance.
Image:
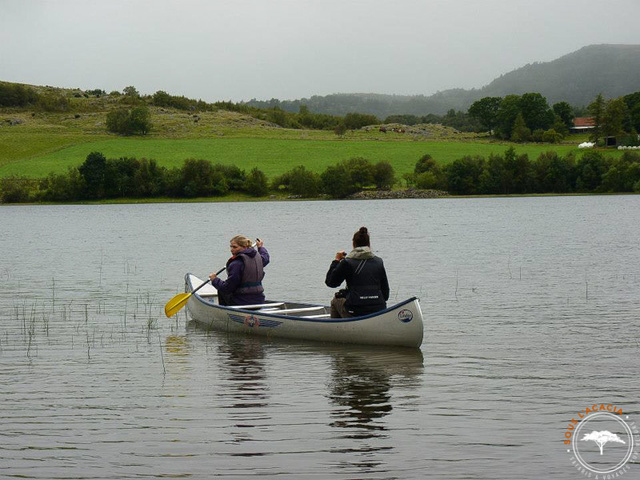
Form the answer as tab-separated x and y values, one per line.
164	370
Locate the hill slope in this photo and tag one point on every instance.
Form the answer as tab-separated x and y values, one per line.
576	78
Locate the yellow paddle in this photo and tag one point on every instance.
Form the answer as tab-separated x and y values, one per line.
174	305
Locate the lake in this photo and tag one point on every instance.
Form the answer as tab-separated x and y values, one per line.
531	305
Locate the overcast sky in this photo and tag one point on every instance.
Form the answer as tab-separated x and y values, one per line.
287	49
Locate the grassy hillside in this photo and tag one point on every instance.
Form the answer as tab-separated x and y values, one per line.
34	143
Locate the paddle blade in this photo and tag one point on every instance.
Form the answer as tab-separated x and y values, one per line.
174	305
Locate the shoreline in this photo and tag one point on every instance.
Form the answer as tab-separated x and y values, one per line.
408	194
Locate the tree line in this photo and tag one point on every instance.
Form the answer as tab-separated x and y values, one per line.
101	178
528	117
511	173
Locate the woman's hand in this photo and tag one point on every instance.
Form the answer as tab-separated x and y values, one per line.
340	255
259	243
212	277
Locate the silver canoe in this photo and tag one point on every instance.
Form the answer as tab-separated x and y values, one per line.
399	325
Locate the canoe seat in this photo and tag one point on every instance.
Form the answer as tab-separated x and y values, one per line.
292	310
258	306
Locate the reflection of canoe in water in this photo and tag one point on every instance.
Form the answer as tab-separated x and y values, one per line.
399	325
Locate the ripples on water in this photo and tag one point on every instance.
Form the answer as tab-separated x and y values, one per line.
531	310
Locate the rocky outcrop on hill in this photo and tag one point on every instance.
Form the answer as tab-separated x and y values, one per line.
394	194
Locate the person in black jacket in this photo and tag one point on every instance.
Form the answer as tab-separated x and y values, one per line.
367	285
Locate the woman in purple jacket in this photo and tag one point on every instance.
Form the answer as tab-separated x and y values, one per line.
243	285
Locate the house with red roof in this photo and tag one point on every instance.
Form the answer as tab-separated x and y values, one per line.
582	124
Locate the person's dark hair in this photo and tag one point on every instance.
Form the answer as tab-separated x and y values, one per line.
361	238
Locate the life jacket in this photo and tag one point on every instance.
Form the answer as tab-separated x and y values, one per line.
252	275
364	294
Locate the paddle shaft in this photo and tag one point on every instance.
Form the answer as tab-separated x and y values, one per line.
207	281
176	303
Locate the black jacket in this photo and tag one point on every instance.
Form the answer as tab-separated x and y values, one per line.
367	284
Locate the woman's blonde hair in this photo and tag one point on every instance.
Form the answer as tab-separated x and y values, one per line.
241	241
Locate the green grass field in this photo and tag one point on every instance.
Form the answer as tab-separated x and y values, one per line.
271	155
43	143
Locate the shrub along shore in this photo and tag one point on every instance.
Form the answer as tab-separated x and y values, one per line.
122	179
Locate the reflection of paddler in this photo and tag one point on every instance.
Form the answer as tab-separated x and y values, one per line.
364	391
176	345
363	380
244	365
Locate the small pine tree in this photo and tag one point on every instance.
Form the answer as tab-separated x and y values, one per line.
520	133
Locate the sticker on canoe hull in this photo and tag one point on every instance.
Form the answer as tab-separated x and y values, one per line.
252	321
405	315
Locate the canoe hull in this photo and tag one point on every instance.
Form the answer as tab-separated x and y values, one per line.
399	325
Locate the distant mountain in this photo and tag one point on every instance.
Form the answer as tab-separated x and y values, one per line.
576	78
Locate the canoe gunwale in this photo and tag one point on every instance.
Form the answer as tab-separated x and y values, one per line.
199	306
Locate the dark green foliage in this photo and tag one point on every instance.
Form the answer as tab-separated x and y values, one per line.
507	175
163	99
131	91
383	175
200	179
551	136
149	179
463	175
16	189
69	187
256	183
623	174
506	116
93	171
280	117
596	110
425	164
120	177
590	169
50	102
234	177
16	95
554	174
299	181
355	174
360	172
518	116
560	127
633	105
536	111
564	111
129	121
519	131
336	182
317	121
431	180
354	121
615	118
97	92
485	111
131	96
403	119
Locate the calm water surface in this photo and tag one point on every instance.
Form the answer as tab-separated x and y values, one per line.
531	306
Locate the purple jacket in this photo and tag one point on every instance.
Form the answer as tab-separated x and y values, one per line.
235	270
